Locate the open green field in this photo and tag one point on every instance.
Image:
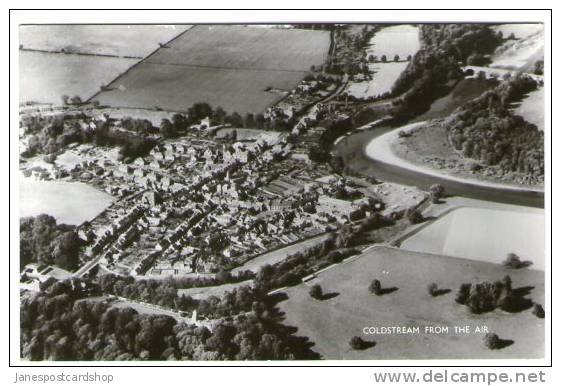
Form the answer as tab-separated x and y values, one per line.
228	66
45	77
350	308
118	40
484	234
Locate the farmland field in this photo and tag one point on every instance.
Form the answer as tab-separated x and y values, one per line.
45	77
69	202
402	40
385	75
484	234
119	40
332	322
520	31
246	48
228	66
175	88
522	53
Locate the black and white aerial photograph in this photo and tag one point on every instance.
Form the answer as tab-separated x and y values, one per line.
281	192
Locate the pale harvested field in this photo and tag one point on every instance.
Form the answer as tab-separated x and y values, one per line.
227	66
532	108
119	40
331	323
402	40
45	77
385	75
484	234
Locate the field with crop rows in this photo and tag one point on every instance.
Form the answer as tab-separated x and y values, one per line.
228	66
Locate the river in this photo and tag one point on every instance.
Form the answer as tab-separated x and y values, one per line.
352	149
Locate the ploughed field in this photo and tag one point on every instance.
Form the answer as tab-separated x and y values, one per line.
349	307
223	65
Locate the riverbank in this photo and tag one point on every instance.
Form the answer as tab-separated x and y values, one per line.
387	149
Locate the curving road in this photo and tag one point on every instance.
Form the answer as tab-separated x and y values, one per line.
353	150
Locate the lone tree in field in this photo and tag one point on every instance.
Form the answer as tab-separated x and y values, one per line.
492	341
433	289
396	58
316	292
538	311
513	261
375	287
436	193
357	343
383	59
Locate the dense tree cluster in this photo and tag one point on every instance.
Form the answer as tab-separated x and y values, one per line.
60	324
485	129
347	54
42	241
436	66
51	133
486	296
